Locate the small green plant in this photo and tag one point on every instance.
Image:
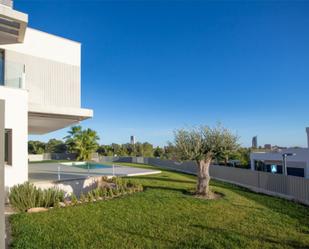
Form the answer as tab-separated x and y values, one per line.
57	203
115	191
113	180
130	184
82	198
74	200
25	196
122	191
110	192
103	192
90	197
96	193
48	197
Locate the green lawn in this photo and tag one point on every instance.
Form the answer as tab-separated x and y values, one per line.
166	216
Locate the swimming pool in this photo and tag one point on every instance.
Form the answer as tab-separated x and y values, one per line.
85	165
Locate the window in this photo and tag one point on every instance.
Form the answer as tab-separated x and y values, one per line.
8	147
296	171
1	67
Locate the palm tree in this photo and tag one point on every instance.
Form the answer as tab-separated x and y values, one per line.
82	142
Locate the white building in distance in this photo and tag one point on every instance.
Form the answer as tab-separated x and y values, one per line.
272	161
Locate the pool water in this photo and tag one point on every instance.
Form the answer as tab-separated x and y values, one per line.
92	166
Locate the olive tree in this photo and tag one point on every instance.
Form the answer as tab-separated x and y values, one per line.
202	145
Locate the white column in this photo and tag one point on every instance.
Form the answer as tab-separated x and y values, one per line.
2	188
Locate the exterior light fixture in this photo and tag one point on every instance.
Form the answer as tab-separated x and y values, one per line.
284	157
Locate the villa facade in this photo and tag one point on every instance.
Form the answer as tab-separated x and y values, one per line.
297	161
40	82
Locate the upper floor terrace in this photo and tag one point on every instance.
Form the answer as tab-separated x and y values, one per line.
49	68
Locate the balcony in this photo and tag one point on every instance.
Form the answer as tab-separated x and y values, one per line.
12	74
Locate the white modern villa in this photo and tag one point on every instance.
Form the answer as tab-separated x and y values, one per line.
297	161
40	83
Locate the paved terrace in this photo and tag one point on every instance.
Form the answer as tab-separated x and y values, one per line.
49	172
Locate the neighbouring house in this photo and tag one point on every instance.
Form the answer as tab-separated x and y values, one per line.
40	81
297	160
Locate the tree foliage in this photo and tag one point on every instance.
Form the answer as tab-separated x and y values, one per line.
36	147
55	146
204	142
82	142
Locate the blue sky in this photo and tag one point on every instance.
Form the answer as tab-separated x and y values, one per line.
149	67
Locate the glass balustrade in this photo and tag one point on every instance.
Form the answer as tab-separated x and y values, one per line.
12	74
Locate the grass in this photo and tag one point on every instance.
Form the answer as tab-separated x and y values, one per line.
165	216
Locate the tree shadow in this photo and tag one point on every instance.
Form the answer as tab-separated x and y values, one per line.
183	191
186	192
165	179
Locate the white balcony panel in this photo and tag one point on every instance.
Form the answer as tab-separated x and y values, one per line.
49	82
47	46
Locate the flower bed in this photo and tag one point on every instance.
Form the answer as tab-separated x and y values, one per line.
27	197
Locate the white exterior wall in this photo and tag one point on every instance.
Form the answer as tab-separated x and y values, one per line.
302	156
52	68
47	46
51	95
16	118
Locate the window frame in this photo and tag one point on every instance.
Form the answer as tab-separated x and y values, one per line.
2	81
8	147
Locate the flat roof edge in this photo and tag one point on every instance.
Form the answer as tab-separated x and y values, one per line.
57	36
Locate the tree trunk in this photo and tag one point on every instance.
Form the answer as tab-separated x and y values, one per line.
203	177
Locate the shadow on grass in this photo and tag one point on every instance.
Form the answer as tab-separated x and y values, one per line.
224	238
181	190
165	179
230	235
187	192
279	205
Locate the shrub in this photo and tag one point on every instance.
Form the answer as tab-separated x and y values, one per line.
96	194
57	203
50	196
25	196
122	191
82	198
103	192
90	197
110	192
74	200
115	191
